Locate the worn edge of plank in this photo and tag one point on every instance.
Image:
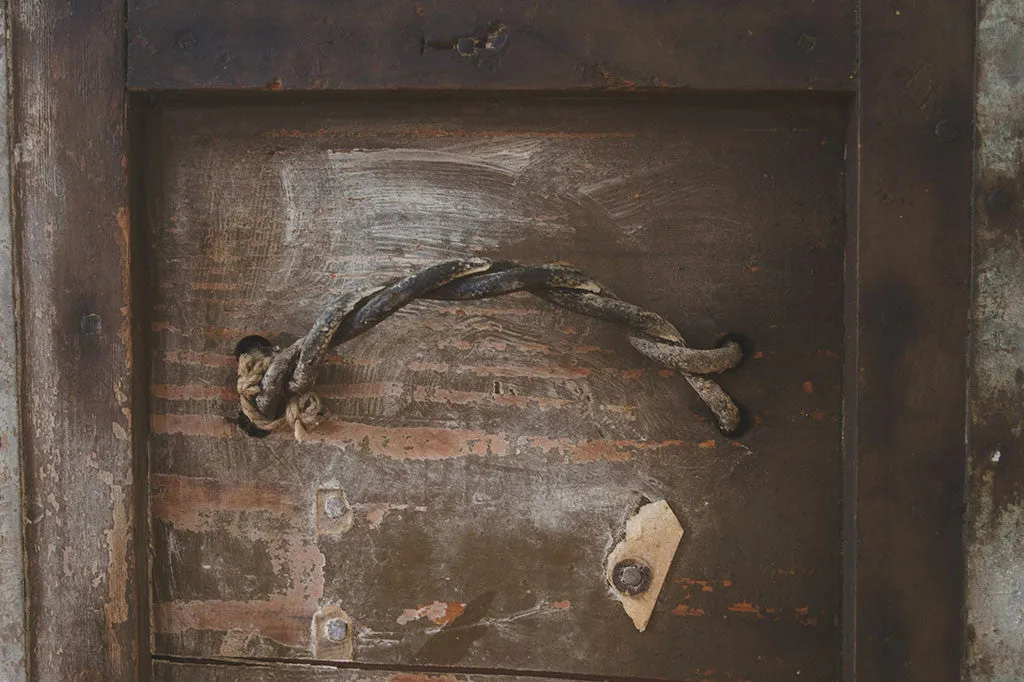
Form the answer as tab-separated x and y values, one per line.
72	231
12	584
914	264
297	669
141	165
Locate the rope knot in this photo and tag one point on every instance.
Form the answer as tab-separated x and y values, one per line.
302	413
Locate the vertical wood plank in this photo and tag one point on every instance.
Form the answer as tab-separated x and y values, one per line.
12	602
916	85
72	221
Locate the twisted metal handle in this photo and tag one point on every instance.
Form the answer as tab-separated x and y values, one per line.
275	385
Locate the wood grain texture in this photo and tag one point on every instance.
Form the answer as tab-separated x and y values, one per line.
178	671
12	585
914	265
72	224
485	454
582	44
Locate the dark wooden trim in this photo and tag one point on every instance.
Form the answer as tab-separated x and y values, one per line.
579	44
914	267
72	223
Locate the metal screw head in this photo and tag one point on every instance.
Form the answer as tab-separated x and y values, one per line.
333	507
631	577
336	629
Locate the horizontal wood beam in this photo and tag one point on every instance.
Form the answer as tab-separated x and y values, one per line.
579	44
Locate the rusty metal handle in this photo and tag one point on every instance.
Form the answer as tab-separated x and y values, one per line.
275	385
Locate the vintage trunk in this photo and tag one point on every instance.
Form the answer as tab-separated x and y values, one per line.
189	174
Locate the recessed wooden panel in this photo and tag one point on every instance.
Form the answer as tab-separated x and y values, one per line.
490	451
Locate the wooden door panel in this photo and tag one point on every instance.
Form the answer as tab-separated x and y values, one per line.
490	451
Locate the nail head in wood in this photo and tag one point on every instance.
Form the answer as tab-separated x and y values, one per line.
631	577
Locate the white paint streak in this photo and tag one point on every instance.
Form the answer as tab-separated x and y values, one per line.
415	204
481	158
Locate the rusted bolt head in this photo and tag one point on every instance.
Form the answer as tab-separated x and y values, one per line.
631	577
336	629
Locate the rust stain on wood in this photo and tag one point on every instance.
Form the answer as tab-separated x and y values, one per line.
181	499
192	425
438	612
284	619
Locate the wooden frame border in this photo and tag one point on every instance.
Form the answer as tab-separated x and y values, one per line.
71	206
323	45
906	422
905	427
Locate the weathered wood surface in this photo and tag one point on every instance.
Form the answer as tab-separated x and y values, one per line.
913	265
488	452
176	671
71	204
583	44
12	586
995	538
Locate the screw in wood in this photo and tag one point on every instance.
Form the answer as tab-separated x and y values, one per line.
334	507
336	629
631	577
